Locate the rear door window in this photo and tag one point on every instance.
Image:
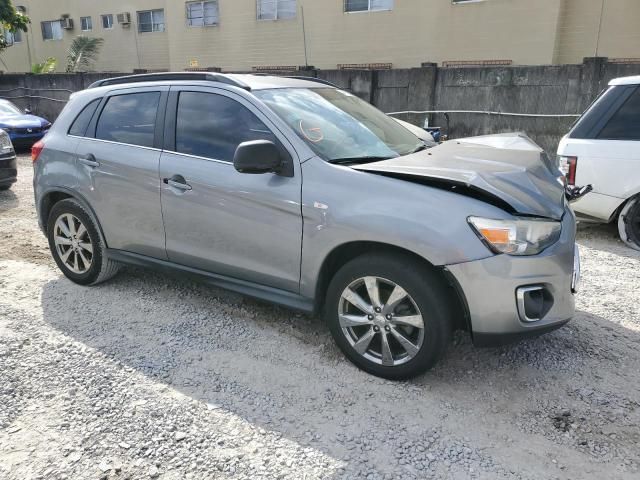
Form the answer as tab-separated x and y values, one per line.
80	124
212	126
129	118
625	123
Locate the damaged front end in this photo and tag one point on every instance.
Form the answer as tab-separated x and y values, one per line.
506	170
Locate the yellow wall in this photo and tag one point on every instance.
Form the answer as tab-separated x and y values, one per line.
415	31
123	49
580	22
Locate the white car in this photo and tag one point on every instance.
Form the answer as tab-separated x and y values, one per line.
421	133
603	149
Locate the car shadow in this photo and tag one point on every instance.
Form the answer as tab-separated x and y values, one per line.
226	350
8	200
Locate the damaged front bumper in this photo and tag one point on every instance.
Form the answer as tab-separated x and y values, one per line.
509	298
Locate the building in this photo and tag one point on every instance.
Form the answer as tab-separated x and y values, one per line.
242	35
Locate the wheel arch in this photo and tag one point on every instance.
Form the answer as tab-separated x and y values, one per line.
55	195
621	212
348	251
623	203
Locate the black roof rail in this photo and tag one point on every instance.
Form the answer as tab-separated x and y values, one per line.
169	76
313	79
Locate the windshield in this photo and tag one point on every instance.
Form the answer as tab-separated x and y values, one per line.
339	126
7	108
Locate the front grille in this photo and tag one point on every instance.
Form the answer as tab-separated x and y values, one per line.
26	131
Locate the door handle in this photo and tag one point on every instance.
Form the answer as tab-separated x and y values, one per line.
89	160
177	181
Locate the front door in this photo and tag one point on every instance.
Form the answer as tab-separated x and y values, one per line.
117	165
216	219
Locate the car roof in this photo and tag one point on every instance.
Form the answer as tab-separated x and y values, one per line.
635	80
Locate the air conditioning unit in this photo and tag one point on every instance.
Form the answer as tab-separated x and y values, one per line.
67	23
124	18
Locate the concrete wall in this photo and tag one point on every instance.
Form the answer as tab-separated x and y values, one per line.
45	95
565	89
524	32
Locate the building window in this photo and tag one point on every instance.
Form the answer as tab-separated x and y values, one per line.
367	5
151	21
202	14
86	24
52	30
107	21
11	38
276	9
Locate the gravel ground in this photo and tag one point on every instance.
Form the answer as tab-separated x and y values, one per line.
154	377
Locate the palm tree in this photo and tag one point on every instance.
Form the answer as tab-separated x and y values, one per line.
48	66
82	53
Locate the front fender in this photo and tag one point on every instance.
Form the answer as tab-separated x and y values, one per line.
341	205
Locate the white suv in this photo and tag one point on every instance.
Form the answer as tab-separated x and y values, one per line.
603	149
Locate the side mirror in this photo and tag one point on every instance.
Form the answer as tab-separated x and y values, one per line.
257	156
27	111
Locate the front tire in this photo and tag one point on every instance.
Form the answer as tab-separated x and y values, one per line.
388	315
629	223
76	245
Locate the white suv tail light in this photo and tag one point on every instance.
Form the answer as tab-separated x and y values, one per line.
568	167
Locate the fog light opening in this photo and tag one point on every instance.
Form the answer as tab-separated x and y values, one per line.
533	303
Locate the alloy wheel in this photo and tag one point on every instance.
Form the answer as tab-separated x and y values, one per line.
73	243
381	321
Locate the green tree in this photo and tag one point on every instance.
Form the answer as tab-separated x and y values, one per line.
48	66
11	20
83	53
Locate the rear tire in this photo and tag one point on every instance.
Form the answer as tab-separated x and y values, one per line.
76	245
4	187
379	281
629	223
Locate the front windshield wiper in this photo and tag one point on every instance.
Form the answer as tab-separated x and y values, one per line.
420	148
357	160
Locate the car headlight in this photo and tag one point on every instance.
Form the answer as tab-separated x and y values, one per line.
518	236
5	142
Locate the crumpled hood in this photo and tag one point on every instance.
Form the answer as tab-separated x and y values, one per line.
22	121
509	167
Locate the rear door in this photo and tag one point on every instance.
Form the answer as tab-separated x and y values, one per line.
243	226
118	161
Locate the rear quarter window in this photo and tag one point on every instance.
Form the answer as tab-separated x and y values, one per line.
80	124
625	123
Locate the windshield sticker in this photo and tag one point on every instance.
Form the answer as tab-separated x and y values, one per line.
313	134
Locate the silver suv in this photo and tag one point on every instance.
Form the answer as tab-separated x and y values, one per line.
296	192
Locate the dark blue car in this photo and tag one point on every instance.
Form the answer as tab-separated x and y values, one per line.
23	128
